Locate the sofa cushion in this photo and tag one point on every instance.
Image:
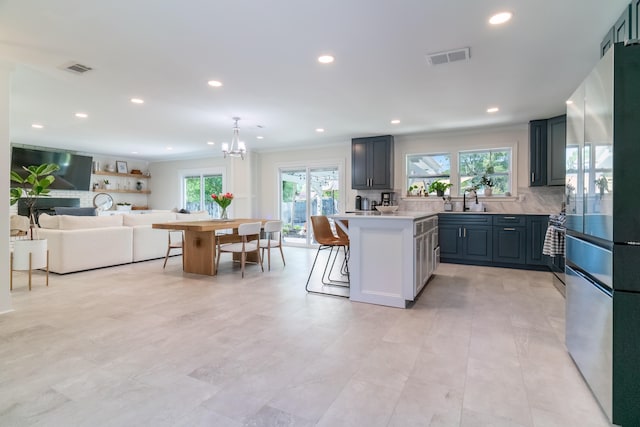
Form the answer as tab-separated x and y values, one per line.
75	211
70	222
193	216
131	220
48	221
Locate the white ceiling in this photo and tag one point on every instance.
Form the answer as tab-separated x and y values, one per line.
265	54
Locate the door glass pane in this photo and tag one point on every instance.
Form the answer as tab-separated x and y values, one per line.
192	191
324	191
293	206
212	184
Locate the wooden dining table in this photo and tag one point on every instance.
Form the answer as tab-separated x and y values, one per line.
199	244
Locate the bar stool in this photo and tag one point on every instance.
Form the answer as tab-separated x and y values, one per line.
324	236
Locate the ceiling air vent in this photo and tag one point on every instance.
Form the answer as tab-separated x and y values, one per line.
76	68
440	58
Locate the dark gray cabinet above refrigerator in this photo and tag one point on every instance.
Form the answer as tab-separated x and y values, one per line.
547	151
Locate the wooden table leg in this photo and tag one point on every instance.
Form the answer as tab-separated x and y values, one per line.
199	252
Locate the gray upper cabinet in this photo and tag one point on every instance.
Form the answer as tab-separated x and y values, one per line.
635	16
622	29
556	150
607	42
372	163
547	144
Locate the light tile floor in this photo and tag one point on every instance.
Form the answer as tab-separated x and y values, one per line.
138	346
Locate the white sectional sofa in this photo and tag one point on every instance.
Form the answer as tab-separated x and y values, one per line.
79	243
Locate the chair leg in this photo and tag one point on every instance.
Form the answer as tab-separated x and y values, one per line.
29	270
242	261
321	248
329	281
260	259
282	253
166	257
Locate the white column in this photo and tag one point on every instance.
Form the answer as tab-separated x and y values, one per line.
5	162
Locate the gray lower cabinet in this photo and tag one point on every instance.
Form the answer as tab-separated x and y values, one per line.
465	237
492	239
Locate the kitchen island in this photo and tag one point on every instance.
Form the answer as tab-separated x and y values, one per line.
392	256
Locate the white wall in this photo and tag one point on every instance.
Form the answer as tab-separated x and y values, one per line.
516	138
5	164
241	177
254	181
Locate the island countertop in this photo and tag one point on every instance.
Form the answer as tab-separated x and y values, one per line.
410	215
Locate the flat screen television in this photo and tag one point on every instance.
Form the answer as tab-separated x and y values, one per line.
74	172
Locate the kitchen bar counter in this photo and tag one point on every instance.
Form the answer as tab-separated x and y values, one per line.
391	255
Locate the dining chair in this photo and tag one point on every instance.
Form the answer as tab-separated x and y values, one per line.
273	239
327	240
174	244
250	235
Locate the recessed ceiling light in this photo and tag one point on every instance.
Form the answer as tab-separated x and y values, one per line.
82	115
326	59
169	148
134	152
395	121
137	100
569	102
37	126
493	110
500	18
210	143
319	130
214	83
259	137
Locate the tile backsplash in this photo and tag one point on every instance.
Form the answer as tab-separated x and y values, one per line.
531	200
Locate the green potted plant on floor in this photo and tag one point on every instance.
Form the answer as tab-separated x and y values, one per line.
29	254
35	183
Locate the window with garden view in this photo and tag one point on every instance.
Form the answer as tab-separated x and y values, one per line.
197	191
423	169
494	165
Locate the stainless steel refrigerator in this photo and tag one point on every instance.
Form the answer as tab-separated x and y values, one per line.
603	232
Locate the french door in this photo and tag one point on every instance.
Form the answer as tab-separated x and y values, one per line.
306	191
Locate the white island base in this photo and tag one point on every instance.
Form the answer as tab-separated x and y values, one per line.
391	256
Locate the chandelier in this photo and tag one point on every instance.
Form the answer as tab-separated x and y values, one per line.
237	148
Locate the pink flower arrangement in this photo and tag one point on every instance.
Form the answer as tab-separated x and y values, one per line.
223	200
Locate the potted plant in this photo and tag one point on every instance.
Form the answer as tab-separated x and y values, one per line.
411	189
35	184
603	184
439	187
123	206
107	184
31	253
488	183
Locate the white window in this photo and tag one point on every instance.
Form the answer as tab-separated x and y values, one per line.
423	169
494	165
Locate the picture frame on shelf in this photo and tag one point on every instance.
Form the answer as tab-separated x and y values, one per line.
121	166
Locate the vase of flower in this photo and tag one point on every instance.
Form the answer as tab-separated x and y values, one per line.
223	200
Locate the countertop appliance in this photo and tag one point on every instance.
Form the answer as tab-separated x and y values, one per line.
358	203
603	232
386	199
365	204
